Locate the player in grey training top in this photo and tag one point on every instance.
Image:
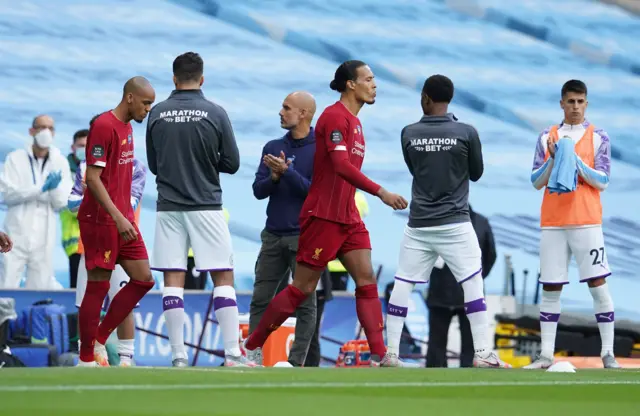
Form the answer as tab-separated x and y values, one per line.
189	143
442	155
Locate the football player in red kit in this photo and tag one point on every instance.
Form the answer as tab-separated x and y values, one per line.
330	223
107	225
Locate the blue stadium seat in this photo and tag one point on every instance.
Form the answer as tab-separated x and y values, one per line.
508	85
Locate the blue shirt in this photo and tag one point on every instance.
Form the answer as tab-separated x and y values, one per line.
287	195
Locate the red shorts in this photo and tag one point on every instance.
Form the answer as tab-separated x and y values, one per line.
104	247
321	241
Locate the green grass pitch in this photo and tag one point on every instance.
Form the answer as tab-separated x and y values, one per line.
313	391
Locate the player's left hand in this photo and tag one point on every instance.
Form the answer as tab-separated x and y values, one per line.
395	201
126	230
5	243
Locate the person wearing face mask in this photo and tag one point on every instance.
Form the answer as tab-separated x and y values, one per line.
69	219
35	183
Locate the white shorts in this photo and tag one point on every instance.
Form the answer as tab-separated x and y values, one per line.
587	247
457	244
206	232
118	279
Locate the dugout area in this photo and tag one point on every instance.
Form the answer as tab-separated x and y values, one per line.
517	337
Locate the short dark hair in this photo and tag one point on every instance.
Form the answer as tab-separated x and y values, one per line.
439	88
188	67
574	85
80	134
347	71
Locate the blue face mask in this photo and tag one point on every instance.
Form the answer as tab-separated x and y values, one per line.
81	154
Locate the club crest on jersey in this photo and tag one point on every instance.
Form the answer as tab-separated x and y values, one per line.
107	256
336	136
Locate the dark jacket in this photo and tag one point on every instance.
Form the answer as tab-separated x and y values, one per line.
287	195
444	290
443	155
190	141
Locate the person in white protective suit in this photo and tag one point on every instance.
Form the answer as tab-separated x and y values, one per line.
35	183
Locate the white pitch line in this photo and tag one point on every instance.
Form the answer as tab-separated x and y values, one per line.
304	385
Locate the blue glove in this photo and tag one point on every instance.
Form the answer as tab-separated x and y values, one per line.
52	181
134	203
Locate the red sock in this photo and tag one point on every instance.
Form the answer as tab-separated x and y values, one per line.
89	316
121	305
280	308
369	310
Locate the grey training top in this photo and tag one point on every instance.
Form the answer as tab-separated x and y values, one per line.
442	155
189	143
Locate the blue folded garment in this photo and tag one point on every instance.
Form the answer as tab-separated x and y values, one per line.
564	176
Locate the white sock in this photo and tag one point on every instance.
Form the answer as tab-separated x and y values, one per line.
173	306
125	350
603	307
396	313
476	309
550	307
226	309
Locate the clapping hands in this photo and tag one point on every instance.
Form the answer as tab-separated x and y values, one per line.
277	165
52	181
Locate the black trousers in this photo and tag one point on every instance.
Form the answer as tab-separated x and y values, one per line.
439	322
313	355
74	262
339	280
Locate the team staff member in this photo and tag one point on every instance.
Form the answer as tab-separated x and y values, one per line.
35	182
284	176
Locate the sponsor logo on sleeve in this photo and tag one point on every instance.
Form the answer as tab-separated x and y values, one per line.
336	136
97	151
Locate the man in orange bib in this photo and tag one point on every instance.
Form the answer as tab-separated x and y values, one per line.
572	223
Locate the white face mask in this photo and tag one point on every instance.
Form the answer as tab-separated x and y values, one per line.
44	138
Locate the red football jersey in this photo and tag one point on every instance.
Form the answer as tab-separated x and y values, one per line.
331	197
109	146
